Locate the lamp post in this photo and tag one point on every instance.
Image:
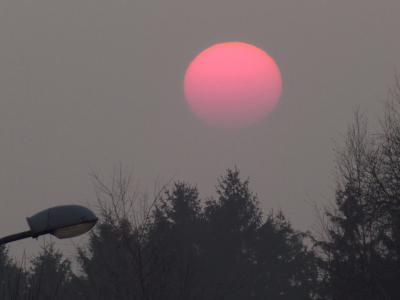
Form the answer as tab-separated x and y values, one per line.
61	221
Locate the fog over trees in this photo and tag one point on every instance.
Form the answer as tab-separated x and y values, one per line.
181	246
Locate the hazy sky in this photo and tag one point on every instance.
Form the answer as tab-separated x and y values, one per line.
87	84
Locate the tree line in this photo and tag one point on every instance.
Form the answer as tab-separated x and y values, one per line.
179	246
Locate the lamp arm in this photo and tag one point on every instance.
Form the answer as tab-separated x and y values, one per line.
15	237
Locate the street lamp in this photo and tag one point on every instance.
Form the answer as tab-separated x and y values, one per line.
61	221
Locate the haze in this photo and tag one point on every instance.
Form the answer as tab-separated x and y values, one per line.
87	84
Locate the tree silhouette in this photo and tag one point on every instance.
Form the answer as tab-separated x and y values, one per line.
175	235
12	277
361	247
177	248
109	263
231	223
284	267
189	249
50	275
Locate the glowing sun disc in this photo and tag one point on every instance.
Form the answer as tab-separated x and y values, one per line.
232	84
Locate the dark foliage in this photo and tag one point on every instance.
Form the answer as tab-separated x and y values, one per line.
186	249
361	248
12	277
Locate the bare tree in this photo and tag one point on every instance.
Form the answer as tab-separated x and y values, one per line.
362	237
117	256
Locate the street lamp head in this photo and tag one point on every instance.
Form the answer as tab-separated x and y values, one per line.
62	221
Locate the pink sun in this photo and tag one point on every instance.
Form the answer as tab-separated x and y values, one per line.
232	84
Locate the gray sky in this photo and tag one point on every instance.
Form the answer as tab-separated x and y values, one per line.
87	84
